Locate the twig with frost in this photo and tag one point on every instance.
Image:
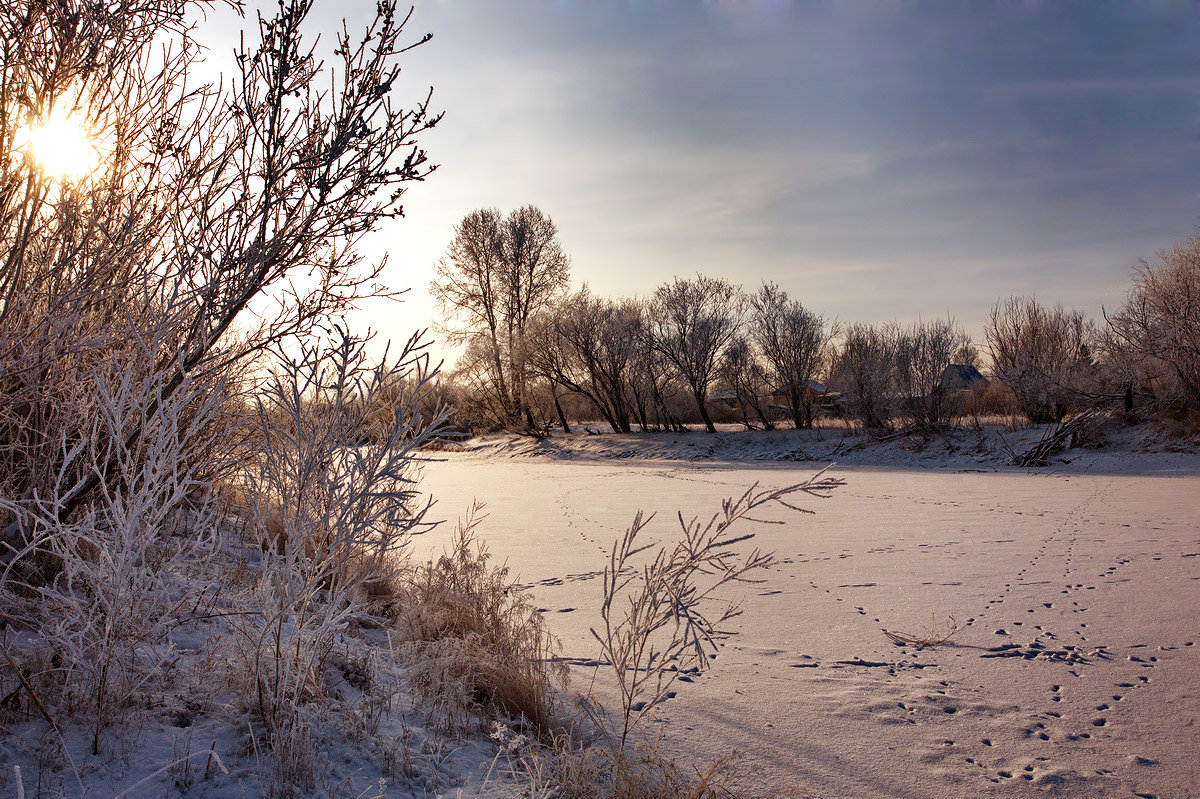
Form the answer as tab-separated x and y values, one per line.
663	618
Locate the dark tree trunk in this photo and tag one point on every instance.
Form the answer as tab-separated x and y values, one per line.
562	417
708	422
599	403
799	418
745	416
642	420
767	423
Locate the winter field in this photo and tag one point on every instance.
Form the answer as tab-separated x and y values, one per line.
1075	589
223	574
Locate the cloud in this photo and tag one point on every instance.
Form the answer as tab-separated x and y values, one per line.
881	160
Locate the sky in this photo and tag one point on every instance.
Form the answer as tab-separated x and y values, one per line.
879	160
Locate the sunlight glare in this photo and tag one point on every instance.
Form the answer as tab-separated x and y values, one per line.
60	144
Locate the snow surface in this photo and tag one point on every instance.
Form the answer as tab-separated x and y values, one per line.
1077	669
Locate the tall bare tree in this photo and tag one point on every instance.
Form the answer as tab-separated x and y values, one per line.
654	385
795	342
690	322
498	272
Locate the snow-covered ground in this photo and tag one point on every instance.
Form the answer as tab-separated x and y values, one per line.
1076	671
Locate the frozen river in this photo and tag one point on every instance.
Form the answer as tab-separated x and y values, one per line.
1076	673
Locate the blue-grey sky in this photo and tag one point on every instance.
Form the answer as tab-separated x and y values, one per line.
878	160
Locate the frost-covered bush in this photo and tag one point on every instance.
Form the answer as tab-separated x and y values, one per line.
1043	355
334	515
1154	339
140	302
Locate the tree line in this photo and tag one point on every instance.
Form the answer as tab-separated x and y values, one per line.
538	352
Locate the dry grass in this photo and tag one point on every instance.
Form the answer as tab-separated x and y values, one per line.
1179	423
444	445
568	769
478	646
934	635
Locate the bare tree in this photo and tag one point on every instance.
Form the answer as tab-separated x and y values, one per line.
690	322
497	274
795	342
968	355
587	345
1156	334
923	352
654	385
742	371
864	371
1042	354
482	397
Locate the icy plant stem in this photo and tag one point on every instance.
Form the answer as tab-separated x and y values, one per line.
665	616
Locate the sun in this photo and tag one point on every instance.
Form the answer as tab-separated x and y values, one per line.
60	144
